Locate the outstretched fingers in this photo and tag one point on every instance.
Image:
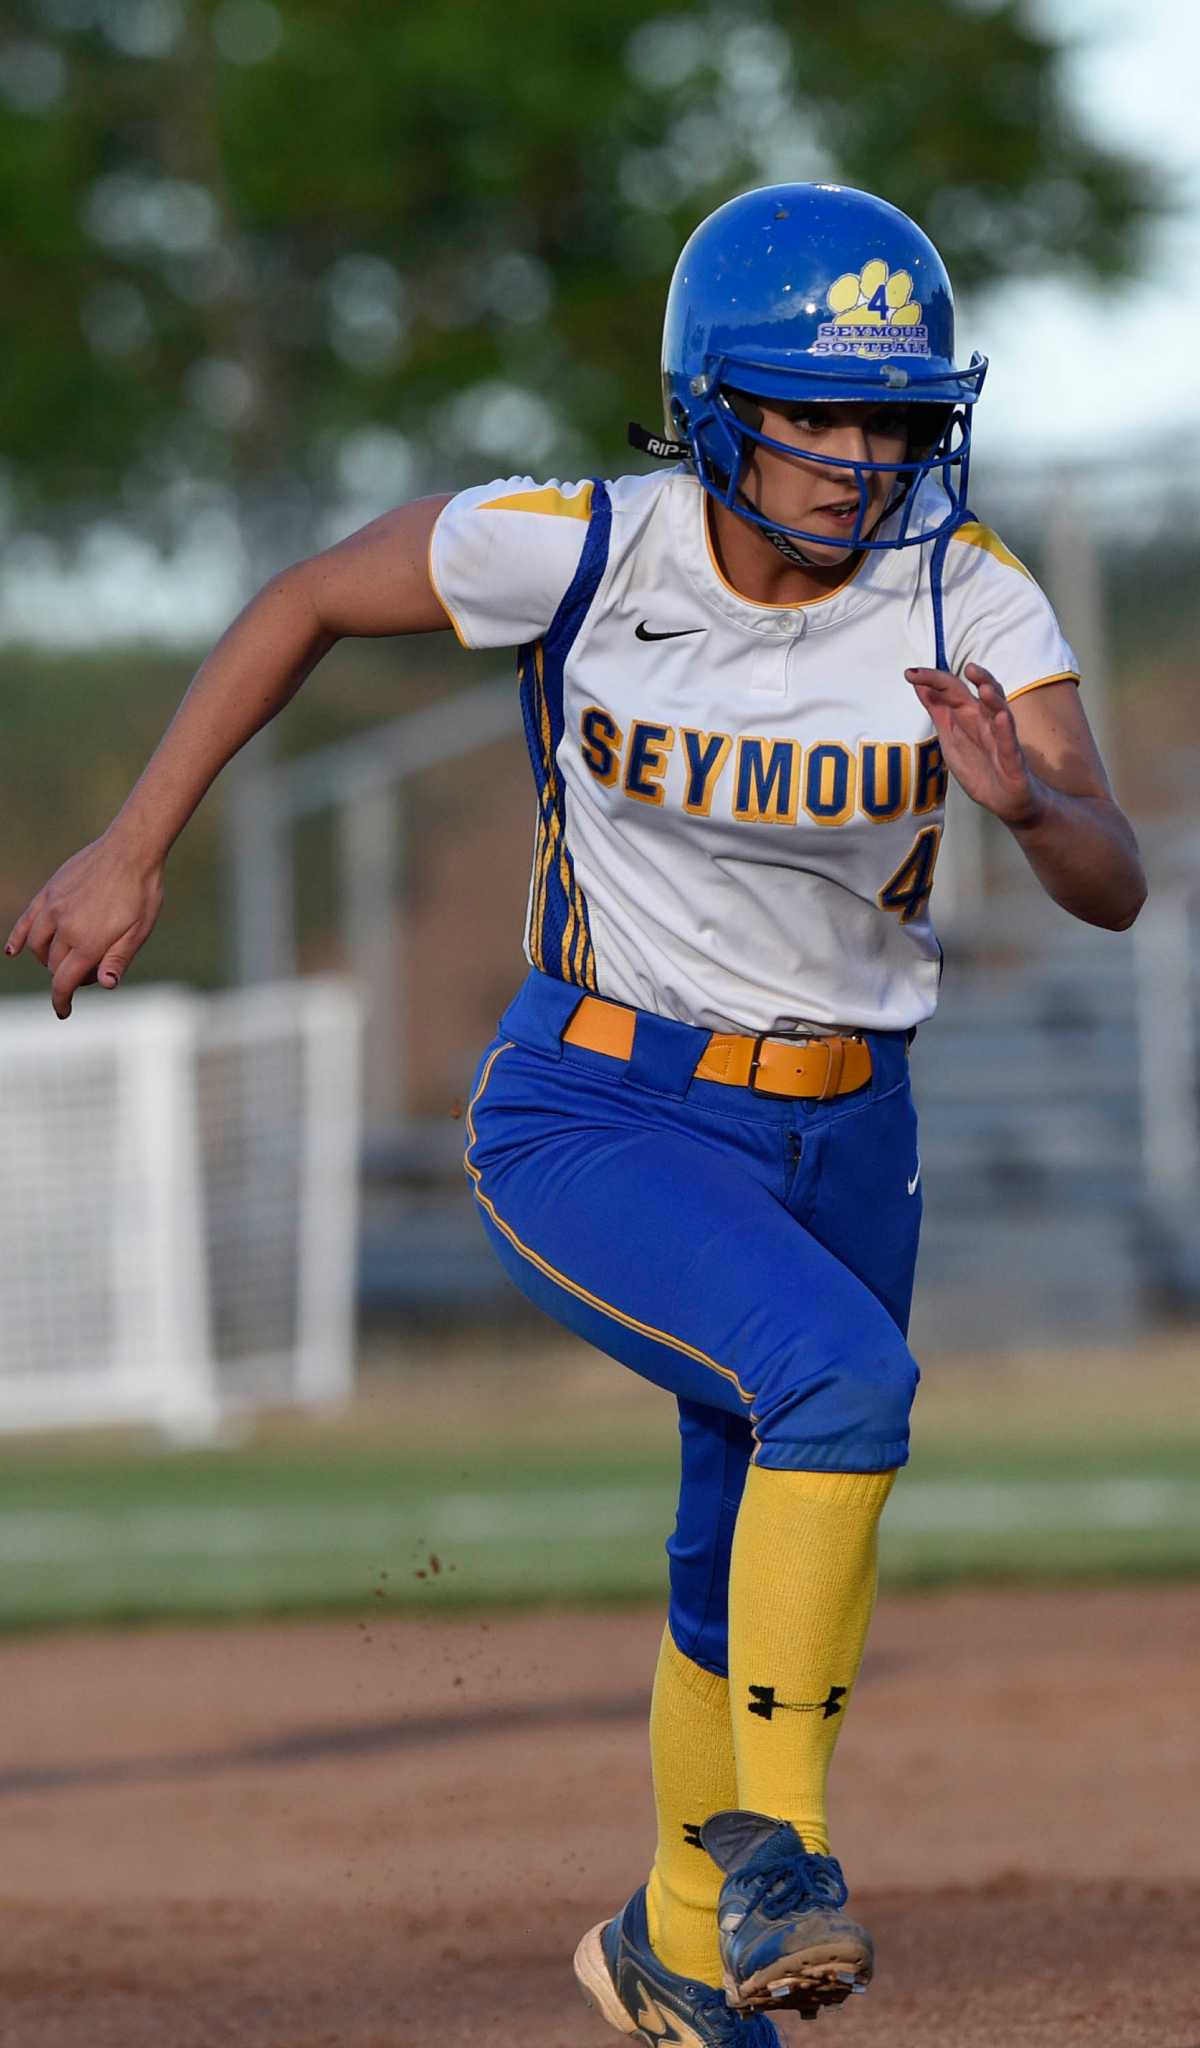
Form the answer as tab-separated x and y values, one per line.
952	689
988	691
938	686
996	706
975	691
74	970
71	965
15	942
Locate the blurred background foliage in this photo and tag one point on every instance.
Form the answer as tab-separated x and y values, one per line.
272	264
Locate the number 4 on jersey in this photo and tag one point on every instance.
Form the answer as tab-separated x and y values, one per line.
907	891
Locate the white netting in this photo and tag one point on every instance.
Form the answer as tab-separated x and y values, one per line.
178	1181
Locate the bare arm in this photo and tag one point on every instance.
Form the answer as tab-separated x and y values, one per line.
94	913
374	583
1078	841
1035	764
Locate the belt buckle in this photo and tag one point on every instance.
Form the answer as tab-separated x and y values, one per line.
835	1060
752	1071
833	1069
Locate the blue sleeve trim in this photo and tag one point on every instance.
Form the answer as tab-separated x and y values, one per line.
559	938
564	626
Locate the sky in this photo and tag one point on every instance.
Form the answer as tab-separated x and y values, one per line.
1069	366
1077	376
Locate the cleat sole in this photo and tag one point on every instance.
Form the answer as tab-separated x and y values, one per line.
591	1975
805	1989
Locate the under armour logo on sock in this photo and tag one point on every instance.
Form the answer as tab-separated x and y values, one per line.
764	1702
691	1835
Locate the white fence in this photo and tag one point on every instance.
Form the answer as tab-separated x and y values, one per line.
178	1205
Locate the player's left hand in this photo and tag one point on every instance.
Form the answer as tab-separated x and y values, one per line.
979	741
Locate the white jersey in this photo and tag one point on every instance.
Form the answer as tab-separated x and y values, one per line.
739	804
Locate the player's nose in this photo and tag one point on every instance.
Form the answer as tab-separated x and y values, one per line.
846	444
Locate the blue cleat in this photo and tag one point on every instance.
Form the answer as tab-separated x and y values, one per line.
785	1941
622	1978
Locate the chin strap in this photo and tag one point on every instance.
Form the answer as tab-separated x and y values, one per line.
657	445
937	564
786	547
664	450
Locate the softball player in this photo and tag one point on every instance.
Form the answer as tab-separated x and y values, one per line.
746	679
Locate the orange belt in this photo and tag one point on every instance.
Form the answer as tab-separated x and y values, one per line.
816	1067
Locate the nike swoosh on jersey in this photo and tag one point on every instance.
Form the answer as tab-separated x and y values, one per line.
642	632
912	1185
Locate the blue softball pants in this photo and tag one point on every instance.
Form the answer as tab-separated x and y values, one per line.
751	1253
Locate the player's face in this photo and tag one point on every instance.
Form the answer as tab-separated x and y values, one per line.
810	490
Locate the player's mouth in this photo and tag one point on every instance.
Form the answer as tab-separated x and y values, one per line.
842	512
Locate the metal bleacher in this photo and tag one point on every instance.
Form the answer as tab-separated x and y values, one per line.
1027	1083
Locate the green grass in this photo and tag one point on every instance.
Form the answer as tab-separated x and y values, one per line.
251	1532
965	1511
367	1521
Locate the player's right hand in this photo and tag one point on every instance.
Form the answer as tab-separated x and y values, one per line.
90	918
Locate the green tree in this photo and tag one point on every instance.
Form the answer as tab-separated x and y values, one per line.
265	258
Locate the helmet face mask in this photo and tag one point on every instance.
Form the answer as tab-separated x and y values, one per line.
807	295
735	430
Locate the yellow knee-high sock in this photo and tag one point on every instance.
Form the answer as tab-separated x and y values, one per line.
691	1750
801	1592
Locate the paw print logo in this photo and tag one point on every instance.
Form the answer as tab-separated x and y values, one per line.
873	297
874	315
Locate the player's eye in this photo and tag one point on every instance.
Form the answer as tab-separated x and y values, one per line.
927	425
809	417
888	419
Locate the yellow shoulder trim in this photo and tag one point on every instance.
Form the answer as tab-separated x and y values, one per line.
977	536
1066	675
549	501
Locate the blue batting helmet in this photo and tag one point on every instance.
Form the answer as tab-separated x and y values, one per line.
812	293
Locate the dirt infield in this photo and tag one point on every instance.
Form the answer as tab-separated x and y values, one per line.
390	1835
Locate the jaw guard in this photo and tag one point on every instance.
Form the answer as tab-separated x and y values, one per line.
717	437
